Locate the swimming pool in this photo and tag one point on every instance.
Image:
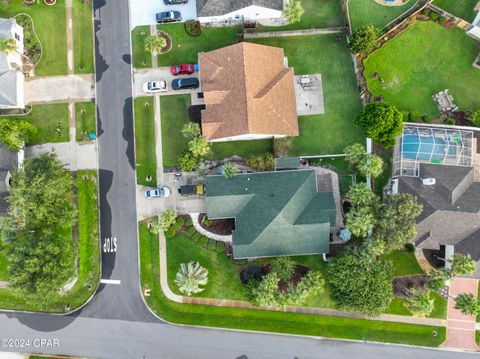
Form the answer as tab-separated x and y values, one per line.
427	148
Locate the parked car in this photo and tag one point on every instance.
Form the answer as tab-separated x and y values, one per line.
191	189
155	86
185	83
168	16
174	2
182	69
157	192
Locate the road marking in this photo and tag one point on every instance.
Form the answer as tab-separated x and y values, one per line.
110	281
110	245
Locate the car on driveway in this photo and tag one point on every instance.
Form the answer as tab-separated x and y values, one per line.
174	2
155	86
168	16
182	69
192	189
157	192
185	83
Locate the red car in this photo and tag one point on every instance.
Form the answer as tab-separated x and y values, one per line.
183	69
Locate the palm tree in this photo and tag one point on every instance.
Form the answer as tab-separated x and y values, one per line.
154	44
191	130
293	11
467	304
360	221
372	166
229	170
190	276
419	302
355	153
436	279
462	264
360	195
8	45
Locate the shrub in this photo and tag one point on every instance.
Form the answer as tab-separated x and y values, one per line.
190	231
167	219
170	233
207	222
284	267
473	117
413	116
426	12
181	221
193	28
426	118
434	16
450	121
203	241
196	236
188	222
442	20
364	40
410	247
262	163
190	276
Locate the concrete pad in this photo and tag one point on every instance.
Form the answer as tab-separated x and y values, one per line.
141	76
75	156
309	96
48	89
142	12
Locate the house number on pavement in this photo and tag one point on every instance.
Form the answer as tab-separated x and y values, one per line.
110	245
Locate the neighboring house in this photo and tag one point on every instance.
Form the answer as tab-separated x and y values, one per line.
435	165
249	93
11	65
282	213
9	161
474	30
238	10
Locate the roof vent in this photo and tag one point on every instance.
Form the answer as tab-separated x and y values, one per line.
428	181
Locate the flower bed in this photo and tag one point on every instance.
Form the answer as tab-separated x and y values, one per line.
32	46
168	39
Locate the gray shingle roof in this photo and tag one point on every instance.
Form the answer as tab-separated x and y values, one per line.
222	7
4	65
8	87
6	28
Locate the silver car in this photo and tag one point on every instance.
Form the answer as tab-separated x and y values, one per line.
155	86
157	192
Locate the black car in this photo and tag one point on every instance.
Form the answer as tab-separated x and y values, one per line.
185	83
168	16
174	2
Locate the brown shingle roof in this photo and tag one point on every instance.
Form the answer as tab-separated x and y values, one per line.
247	90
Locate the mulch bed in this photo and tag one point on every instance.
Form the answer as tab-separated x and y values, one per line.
433	256
223	227
167	37
256	272
402	284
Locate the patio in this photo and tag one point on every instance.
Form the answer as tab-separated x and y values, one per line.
309	95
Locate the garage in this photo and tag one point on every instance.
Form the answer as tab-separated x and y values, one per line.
142	12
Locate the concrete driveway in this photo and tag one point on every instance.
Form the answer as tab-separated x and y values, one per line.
141	76
142	12
48	89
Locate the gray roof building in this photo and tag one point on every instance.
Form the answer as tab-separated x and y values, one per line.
6	26
222	7
8	88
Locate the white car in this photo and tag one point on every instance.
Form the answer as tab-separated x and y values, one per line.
155	86
157	192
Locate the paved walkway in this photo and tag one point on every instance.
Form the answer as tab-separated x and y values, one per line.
460	327
75	156
50	89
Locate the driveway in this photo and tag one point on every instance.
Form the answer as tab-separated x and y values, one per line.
142	12
75	156
141	76
48	89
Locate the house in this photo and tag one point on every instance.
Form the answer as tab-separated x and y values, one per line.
238	10
474	29
249	93
11	64
9	161
281	213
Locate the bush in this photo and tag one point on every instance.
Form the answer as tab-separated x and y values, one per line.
413	116
434	16
170	233
203	241
181	221
284	267
190	231
207	222
426	12
426	118
450	121
188	222
193	28
262	163
196	236
473	117
442	20
410	247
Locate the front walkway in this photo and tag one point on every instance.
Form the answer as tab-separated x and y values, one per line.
75	156
51	89
460	327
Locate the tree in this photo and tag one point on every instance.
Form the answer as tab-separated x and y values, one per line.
41	195
312	283
467	304
435	279
462	264
293	11
284	267
360	283
419	302
265	291
382	122
360	195
154	44
190	277
355	153
396	223
8	45
371	166
188	162
167	219
14	134
198	146
229	170
360	221
191	130
364	40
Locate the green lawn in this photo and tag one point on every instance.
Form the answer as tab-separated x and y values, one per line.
241	148
318	14
85	122
51	121
463	9
186	48
3	265
259	320
50	24
422	61
88	251
141	58
440	310
368	12
404	263
145	153
332	131
83	36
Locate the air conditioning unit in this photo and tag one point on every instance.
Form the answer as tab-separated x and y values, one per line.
428	181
